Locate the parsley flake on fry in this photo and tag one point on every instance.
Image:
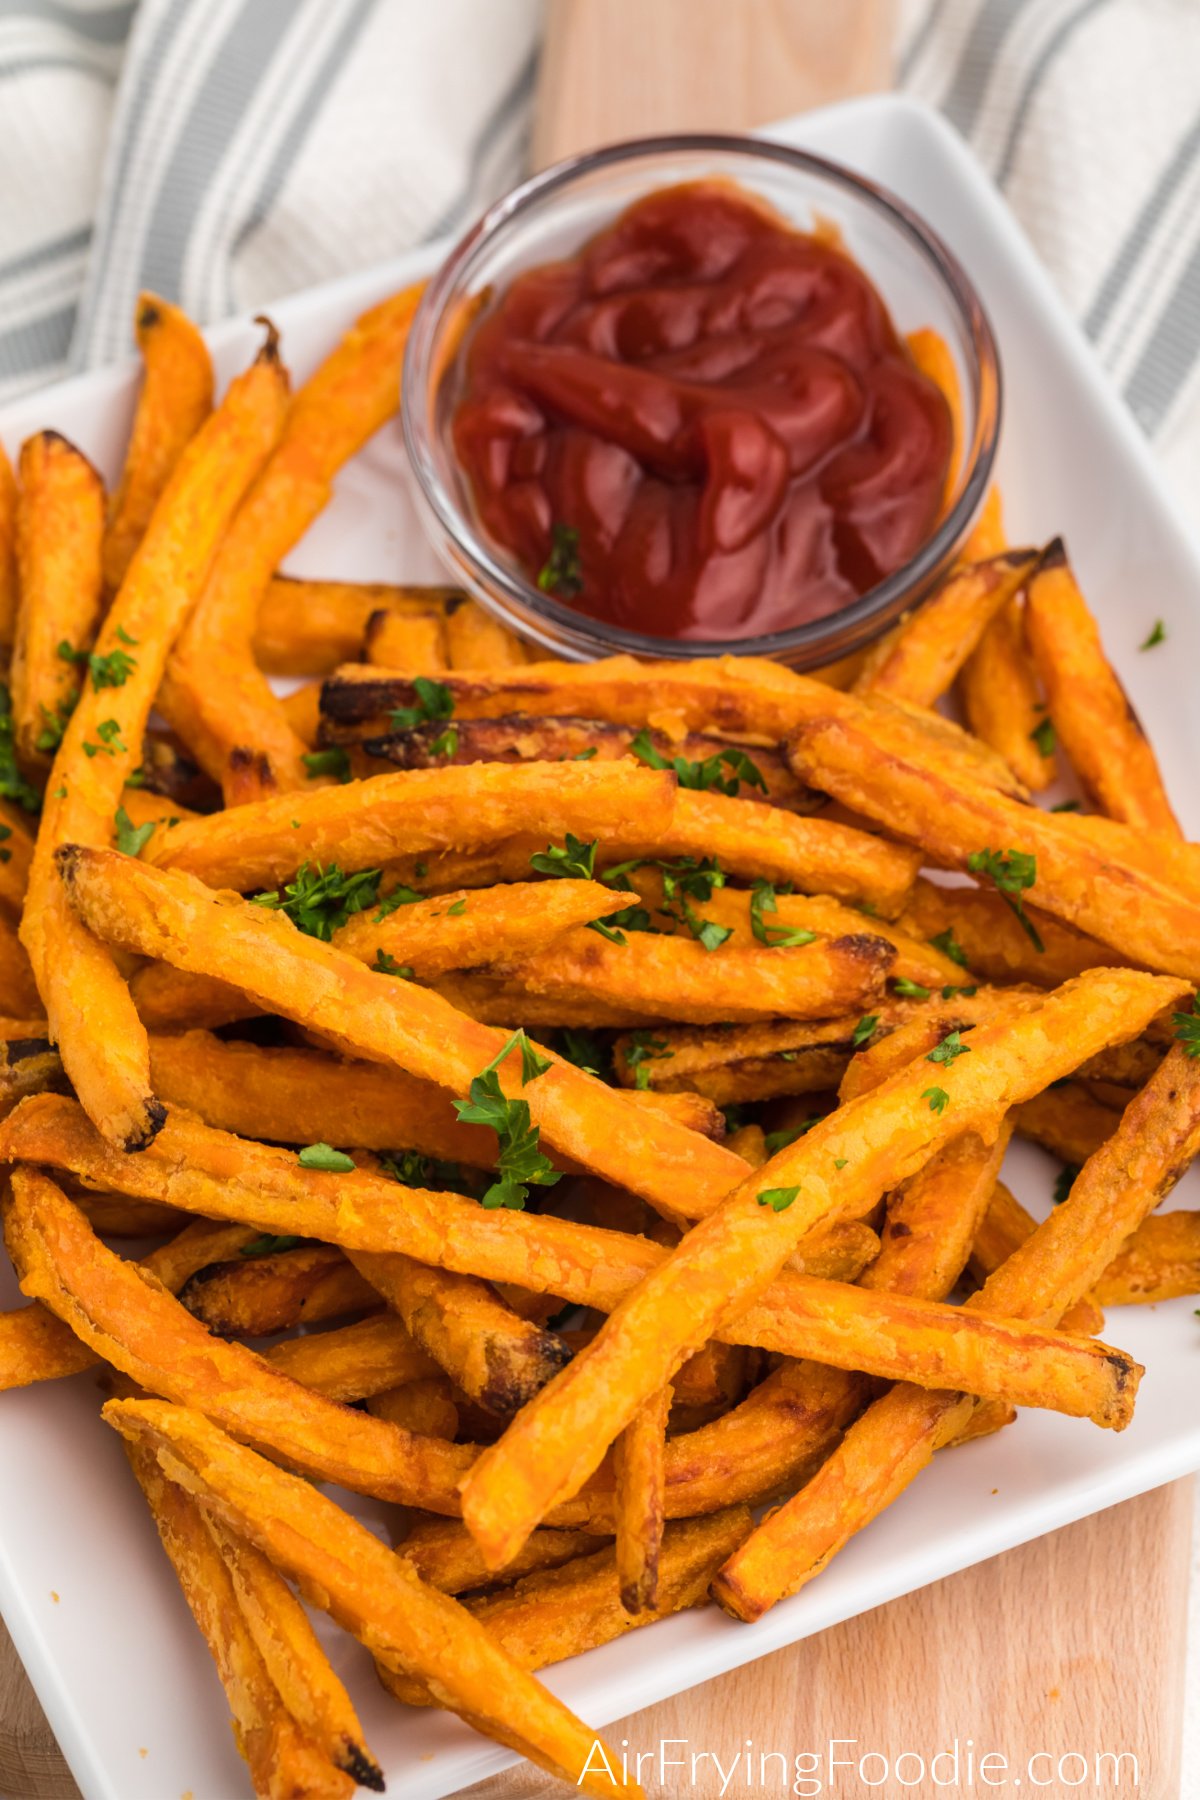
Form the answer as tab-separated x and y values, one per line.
318	900
776	937
270	1246
644	1048
575	858
1012	872
938	1099
864	1030
910	990
328	762
779	1140
707	775
386	964
325	1157
434	701
778	1199
1187	1029
950	1047
519	1164
131	839
948	944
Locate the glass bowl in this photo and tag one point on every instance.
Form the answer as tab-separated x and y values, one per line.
553	215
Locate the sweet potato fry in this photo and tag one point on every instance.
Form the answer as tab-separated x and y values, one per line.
932	645
426	1406
932	1221
475	640
496	1358
983	929
91	1015
521	739
263	1294
175	400
560	1612
1056	1267
1068	1122
1004	1226
353	1362
1158	853
1003	703
283	1763
214	693
797	1314
363	824
675	977
60	532
169	772
372	1593
735	697
478	925
309	627
409	640
132	1321
935	359
1160	1261
1141	917
639	1472
443	1553
1095	723
725	1262
8	551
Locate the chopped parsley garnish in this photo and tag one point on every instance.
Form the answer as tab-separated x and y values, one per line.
584	1049
319	900
111	671
328	762
131	839
5	833
938	1099
561	573
706	931
777	937
325	1157
864	1030
385	964
456	911
779	1140
644	1048
1066	806
1187	1029
682	881
968	993
583	755
708	775
109	733
950	1048
395	898
575	858
612	933
910	990
1065	1181
270	1246
54	725
778	1199
948	944
411	1168
1012	871
519	1164
446	743
434	701
13	785
1044	737
1158	634
839	1162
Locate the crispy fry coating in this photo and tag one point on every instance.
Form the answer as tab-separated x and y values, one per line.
215	694
726	1261
372	1593
443	1553
427	1406
352	1362
932	1221
935	641
1068	1122
477	925
1006	1224
796	1315
60	532
1161	1260
1093	718
175	400
1003	702
555	1613
91	1015
1052	1270
262	1294
1141	917
639	1472
364	824
283	1763
992	939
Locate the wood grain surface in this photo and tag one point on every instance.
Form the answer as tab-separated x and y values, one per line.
1073	1644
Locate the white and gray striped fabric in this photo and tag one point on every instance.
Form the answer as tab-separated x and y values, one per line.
224	152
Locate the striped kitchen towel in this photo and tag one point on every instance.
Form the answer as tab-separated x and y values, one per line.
224	152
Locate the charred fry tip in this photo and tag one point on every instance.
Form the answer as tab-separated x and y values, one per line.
149	312
67	859
454	601
269	352
1054	556
155	1117
362	1769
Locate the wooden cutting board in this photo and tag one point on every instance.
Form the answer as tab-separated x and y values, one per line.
1074	1643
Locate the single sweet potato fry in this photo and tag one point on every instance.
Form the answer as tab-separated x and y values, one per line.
352	1362
214	694
91	1015
371	1592
309	627
1139	915
932	645
443	1553
361	825
1003	703
723	1264
415	640
1004	1226
556	1613
639	1474
175	400
284	1763
932	1220
1092	716
60	532
1068	1122
1050	1272
1160	1261
982	929
477	925
427	1406
475	640
257	1295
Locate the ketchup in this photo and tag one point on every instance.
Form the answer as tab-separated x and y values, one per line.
703	425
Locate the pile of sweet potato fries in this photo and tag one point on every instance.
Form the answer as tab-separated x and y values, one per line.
583	1039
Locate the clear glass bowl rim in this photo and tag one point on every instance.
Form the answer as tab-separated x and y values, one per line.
851	626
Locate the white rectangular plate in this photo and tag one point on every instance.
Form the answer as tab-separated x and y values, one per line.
89	1599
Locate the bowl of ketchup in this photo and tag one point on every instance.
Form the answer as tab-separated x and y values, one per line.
700	396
